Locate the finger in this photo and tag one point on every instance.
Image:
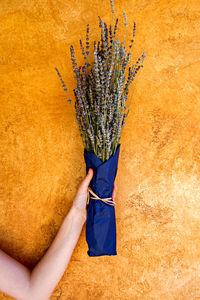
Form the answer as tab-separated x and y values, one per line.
113	195
88	178
114	189
115	186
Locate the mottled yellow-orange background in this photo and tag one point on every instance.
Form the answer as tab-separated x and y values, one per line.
158	198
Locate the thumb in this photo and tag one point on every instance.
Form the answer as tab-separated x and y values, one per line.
88	178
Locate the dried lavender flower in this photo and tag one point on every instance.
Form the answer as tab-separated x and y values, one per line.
102	91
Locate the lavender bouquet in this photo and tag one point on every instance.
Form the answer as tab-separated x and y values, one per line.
101	110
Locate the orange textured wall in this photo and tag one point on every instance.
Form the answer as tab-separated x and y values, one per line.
158	207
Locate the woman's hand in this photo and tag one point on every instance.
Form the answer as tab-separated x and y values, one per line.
19	282
80	200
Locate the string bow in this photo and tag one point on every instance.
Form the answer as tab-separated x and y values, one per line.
105	200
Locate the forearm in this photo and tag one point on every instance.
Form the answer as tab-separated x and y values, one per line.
19	282
47	273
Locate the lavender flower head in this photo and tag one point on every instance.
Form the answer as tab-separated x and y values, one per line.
102	90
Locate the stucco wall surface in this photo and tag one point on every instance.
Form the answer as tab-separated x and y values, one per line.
158	197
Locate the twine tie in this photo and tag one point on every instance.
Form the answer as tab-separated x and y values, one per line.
105	200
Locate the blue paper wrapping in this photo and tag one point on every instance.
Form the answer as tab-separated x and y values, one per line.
101	223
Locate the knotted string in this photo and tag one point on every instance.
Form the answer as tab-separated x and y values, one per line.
105	200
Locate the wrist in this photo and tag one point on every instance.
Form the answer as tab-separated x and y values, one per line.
79	214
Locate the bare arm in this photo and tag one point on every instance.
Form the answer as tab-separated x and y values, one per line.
14	277
20	283
50	269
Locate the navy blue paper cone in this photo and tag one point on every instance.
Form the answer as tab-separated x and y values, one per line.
101	223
